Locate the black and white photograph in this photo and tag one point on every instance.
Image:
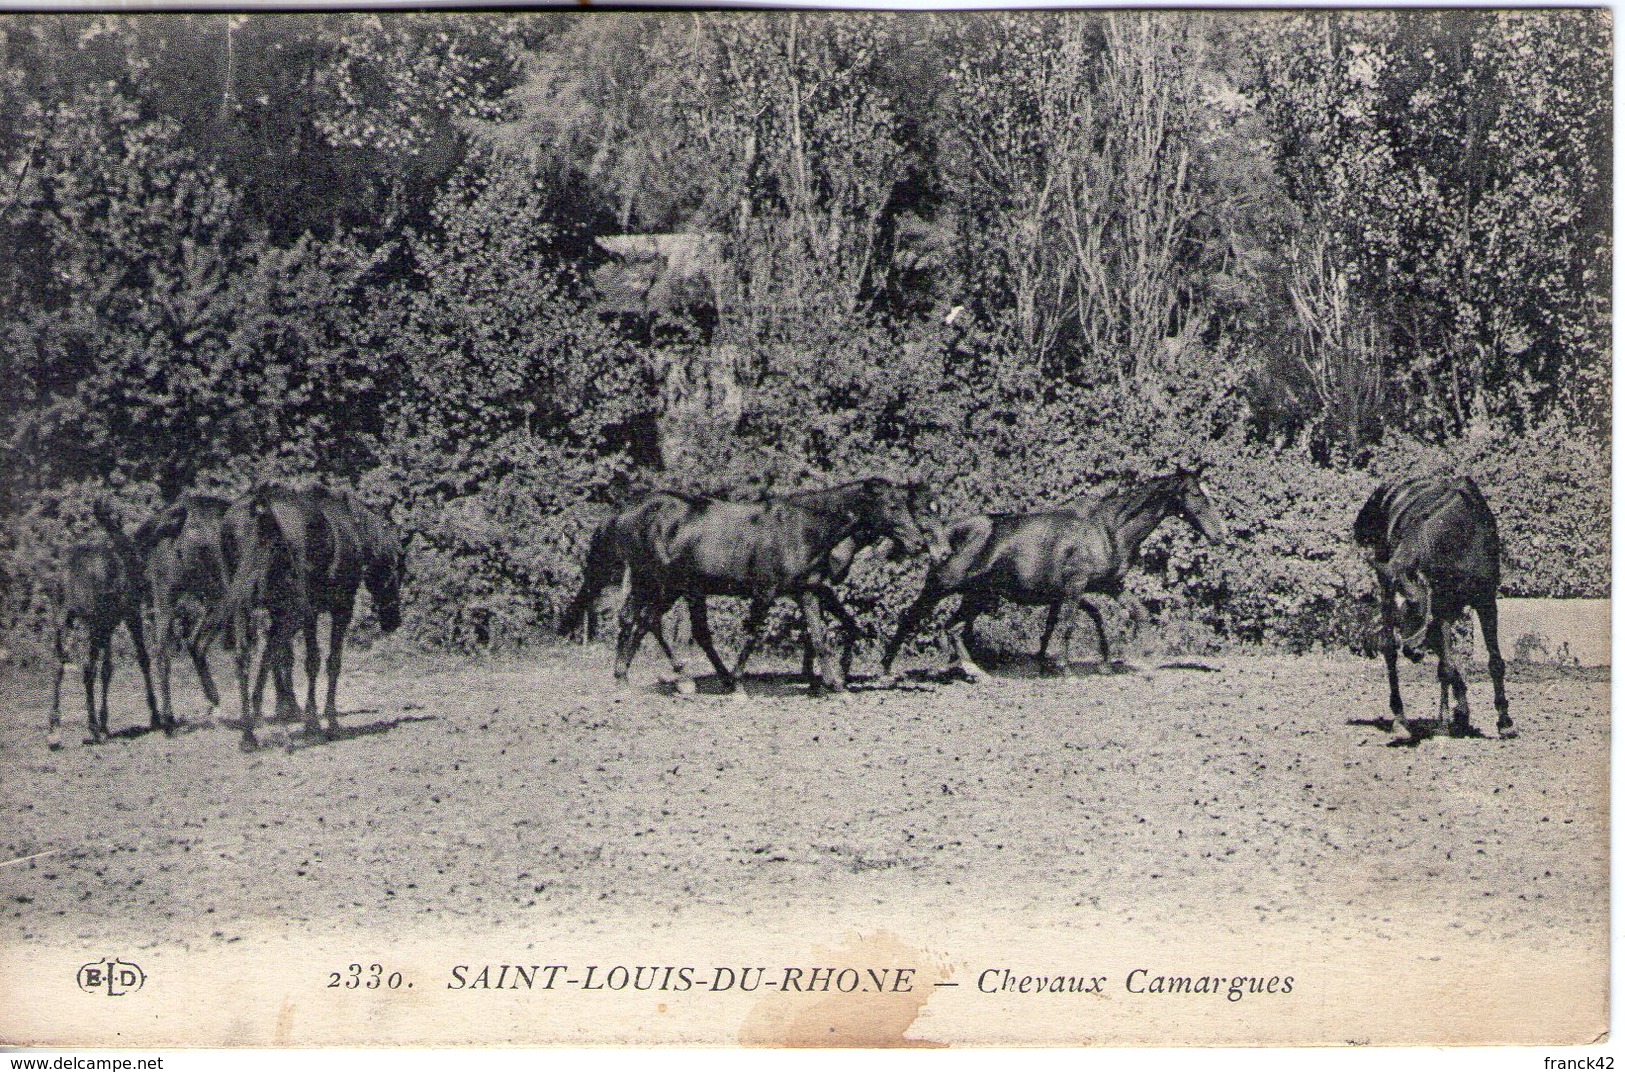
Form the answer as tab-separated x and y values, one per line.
805	528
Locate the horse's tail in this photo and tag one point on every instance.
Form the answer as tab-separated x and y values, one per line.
264	542
603	567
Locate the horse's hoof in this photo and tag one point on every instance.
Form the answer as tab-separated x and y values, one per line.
1461	728
1508	733
53	741
686	687
247	743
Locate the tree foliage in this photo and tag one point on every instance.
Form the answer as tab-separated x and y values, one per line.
1019	254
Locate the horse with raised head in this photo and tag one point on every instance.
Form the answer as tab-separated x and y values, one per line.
792	545
1054	558
101	586
1434	545
302	553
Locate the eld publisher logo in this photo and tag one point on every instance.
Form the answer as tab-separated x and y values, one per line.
115	978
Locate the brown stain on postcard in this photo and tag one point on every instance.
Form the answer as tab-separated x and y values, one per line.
893	981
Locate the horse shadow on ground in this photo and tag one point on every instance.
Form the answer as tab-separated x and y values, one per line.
298	740
1429	729
767	685
128	733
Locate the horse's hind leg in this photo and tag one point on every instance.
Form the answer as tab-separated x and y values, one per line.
281	656
200	663
104	644
144	662
1488	624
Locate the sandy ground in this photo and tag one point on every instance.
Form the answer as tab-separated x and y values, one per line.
533	794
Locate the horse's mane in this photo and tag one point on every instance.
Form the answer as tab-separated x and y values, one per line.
1134	497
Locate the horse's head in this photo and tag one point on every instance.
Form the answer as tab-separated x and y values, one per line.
927	513
1195	504
895	510
1413	599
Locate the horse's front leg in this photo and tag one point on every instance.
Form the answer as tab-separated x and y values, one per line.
1051	616
53	731
1106	663
1451	683
163	629
849	625
755	620
631	631
337	629
92	665
971	606
242	656
313	672
656	624
1068	625
1390	655
916	613
813	622
1487	623
700	618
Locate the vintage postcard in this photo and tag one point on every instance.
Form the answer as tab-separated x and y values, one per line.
805	529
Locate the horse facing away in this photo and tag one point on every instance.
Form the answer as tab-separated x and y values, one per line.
780	546
101	587
1054	558
1434	545
186	576
306	552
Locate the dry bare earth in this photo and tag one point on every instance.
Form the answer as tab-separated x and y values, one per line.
514	795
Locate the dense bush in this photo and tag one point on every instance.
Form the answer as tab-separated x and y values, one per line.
1020	258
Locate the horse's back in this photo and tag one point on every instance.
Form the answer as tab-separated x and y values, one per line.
1036	557
189	556
1439	522
93	579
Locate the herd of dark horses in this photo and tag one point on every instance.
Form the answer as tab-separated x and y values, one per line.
259	571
